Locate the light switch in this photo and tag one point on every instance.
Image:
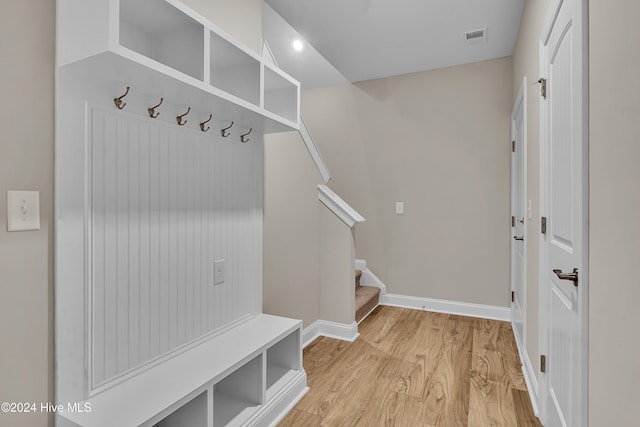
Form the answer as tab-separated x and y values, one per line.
23	210
400	208
219	272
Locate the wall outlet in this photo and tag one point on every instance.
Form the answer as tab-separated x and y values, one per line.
219	272
23	210
400	208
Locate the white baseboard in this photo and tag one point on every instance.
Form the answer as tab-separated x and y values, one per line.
449	307
279	406
531	380
528	372
328	329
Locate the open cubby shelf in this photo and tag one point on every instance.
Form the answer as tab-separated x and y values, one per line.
192	414
237	397
161	32
167	37
227	371
280	95
234	71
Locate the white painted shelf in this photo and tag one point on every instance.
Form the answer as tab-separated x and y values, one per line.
230	366
162	48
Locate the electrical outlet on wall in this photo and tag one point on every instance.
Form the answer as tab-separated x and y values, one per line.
219	272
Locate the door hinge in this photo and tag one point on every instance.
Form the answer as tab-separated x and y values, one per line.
513	296
543	225
513	146
543	363
513	221
543	87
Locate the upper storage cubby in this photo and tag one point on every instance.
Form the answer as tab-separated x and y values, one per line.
162	48
234	70
163	33
280	94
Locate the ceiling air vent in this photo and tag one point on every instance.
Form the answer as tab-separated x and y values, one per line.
476	36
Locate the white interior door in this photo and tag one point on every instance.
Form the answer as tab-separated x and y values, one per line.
518	215
564	197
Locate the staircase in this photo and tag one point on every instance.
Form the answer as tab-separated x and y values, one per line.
366	298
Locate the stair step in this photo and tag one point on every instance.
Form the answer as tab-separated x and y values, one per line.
366	300
358	276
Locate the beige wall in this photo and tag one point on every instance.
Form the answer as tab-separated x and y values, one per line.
26	163
291	281
614	287
526	64
309	252
337	260
242	19
439	142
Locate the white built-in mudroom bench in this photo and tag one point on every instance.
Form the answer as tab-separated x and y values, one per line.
160	118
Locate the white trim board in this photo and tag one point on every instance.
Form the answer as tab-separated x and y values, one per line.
530	379
449	307
338	206
324	328
311	145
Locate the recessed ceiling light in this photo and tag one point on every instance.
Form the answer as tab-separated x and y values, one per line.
297	45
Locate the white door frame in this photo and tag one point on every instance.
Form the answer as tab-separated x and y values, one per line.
521	100
544	268
528	371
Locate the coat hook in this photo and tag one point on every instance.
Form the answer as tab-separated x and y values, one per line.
119	102
224	132
202	128
152	110
243	137
179	118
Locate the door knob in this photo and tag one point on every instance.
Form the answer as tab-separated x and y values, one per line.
518	237
568	276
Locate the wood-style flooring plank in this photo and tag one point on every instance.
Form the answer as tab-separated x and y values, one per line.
416	368
524	410
491	404
297	418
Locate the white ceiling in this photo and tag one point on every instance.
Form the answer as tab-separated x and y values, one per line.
368	39
310	68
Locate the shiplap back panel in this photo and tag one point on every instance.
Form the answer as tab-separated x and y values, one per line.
165	203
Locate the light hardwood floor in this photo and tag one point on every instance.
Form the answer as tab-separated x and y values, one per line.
416	368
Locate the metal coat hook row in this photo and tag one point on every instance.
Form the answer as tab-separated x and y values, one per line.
202	128
152	111
224	132
179	118
120	104
243	137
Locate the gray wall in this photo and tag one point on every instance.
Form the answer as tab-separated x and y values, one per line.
26	163
440	142
614	132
